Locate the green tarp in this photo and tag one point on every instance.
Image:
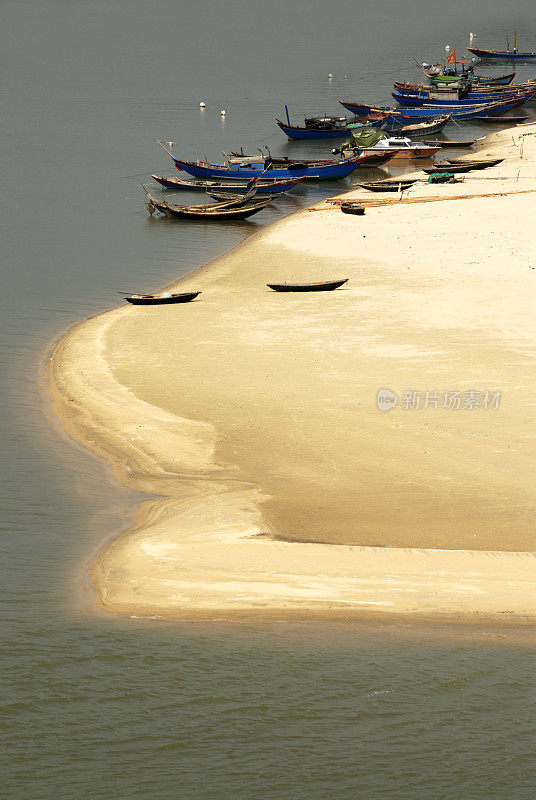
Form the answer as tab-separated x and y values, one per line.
362	137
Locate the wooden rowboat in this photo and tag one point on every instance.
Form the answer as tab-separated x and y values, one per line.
417	129
160	299
449	144
234	187
388	186
307	287
474	164
234	208
455	166
505	120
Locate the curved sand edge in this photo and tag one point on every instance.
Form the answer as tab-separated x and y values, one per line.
205	549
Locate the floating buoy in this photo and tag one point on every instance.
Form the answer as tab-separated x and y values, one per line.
222	112
202	105
330	75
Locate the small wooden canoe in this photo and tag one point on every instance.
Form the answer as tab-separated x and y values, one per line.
160	299
307	287
233	208
454	166
234	187
505	120
448	144
387	186
474	164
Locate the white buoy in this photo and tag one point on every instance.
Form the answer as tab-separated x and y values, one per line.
330	75
223	112
202	105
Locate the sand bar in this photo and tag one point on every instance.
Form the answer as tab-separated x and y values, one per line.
254	417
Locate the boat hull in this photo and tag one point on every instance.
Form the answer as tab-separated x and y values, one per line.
502	80
307	287
429	111
233	187
243	212
412	97
296	133
321	171
415	131
152	300
501	55
387	186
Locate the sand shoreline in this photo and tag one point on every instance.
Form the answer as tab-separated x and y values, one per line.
227	444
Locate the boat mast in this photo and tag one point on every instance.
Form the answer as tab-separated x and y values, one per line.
515	42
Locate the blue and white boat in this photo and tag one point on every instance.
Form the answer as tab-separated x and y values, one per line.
252	167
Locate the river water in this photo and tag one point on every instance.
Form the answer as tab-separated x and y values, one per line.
99	707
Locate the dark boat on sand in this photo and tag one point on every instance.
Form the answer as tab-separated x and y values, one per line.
460	166
445	143
160	299
391	185
307	287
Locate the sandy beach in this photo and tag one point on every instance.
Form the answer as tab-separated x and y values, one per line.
252	417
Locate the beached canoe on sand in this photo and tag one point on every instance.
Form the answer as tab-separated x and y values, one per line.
390	185
328	286
160	299
460	166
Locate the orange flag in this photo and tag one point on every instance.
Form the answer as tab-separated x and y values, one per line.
451	58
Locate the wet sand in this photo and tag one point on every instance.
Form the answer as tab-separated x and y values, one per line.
253	415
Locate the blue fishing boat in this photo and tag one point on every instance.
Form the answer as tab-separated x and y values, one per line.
427	110
463	89
252	167
411	97
503	55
